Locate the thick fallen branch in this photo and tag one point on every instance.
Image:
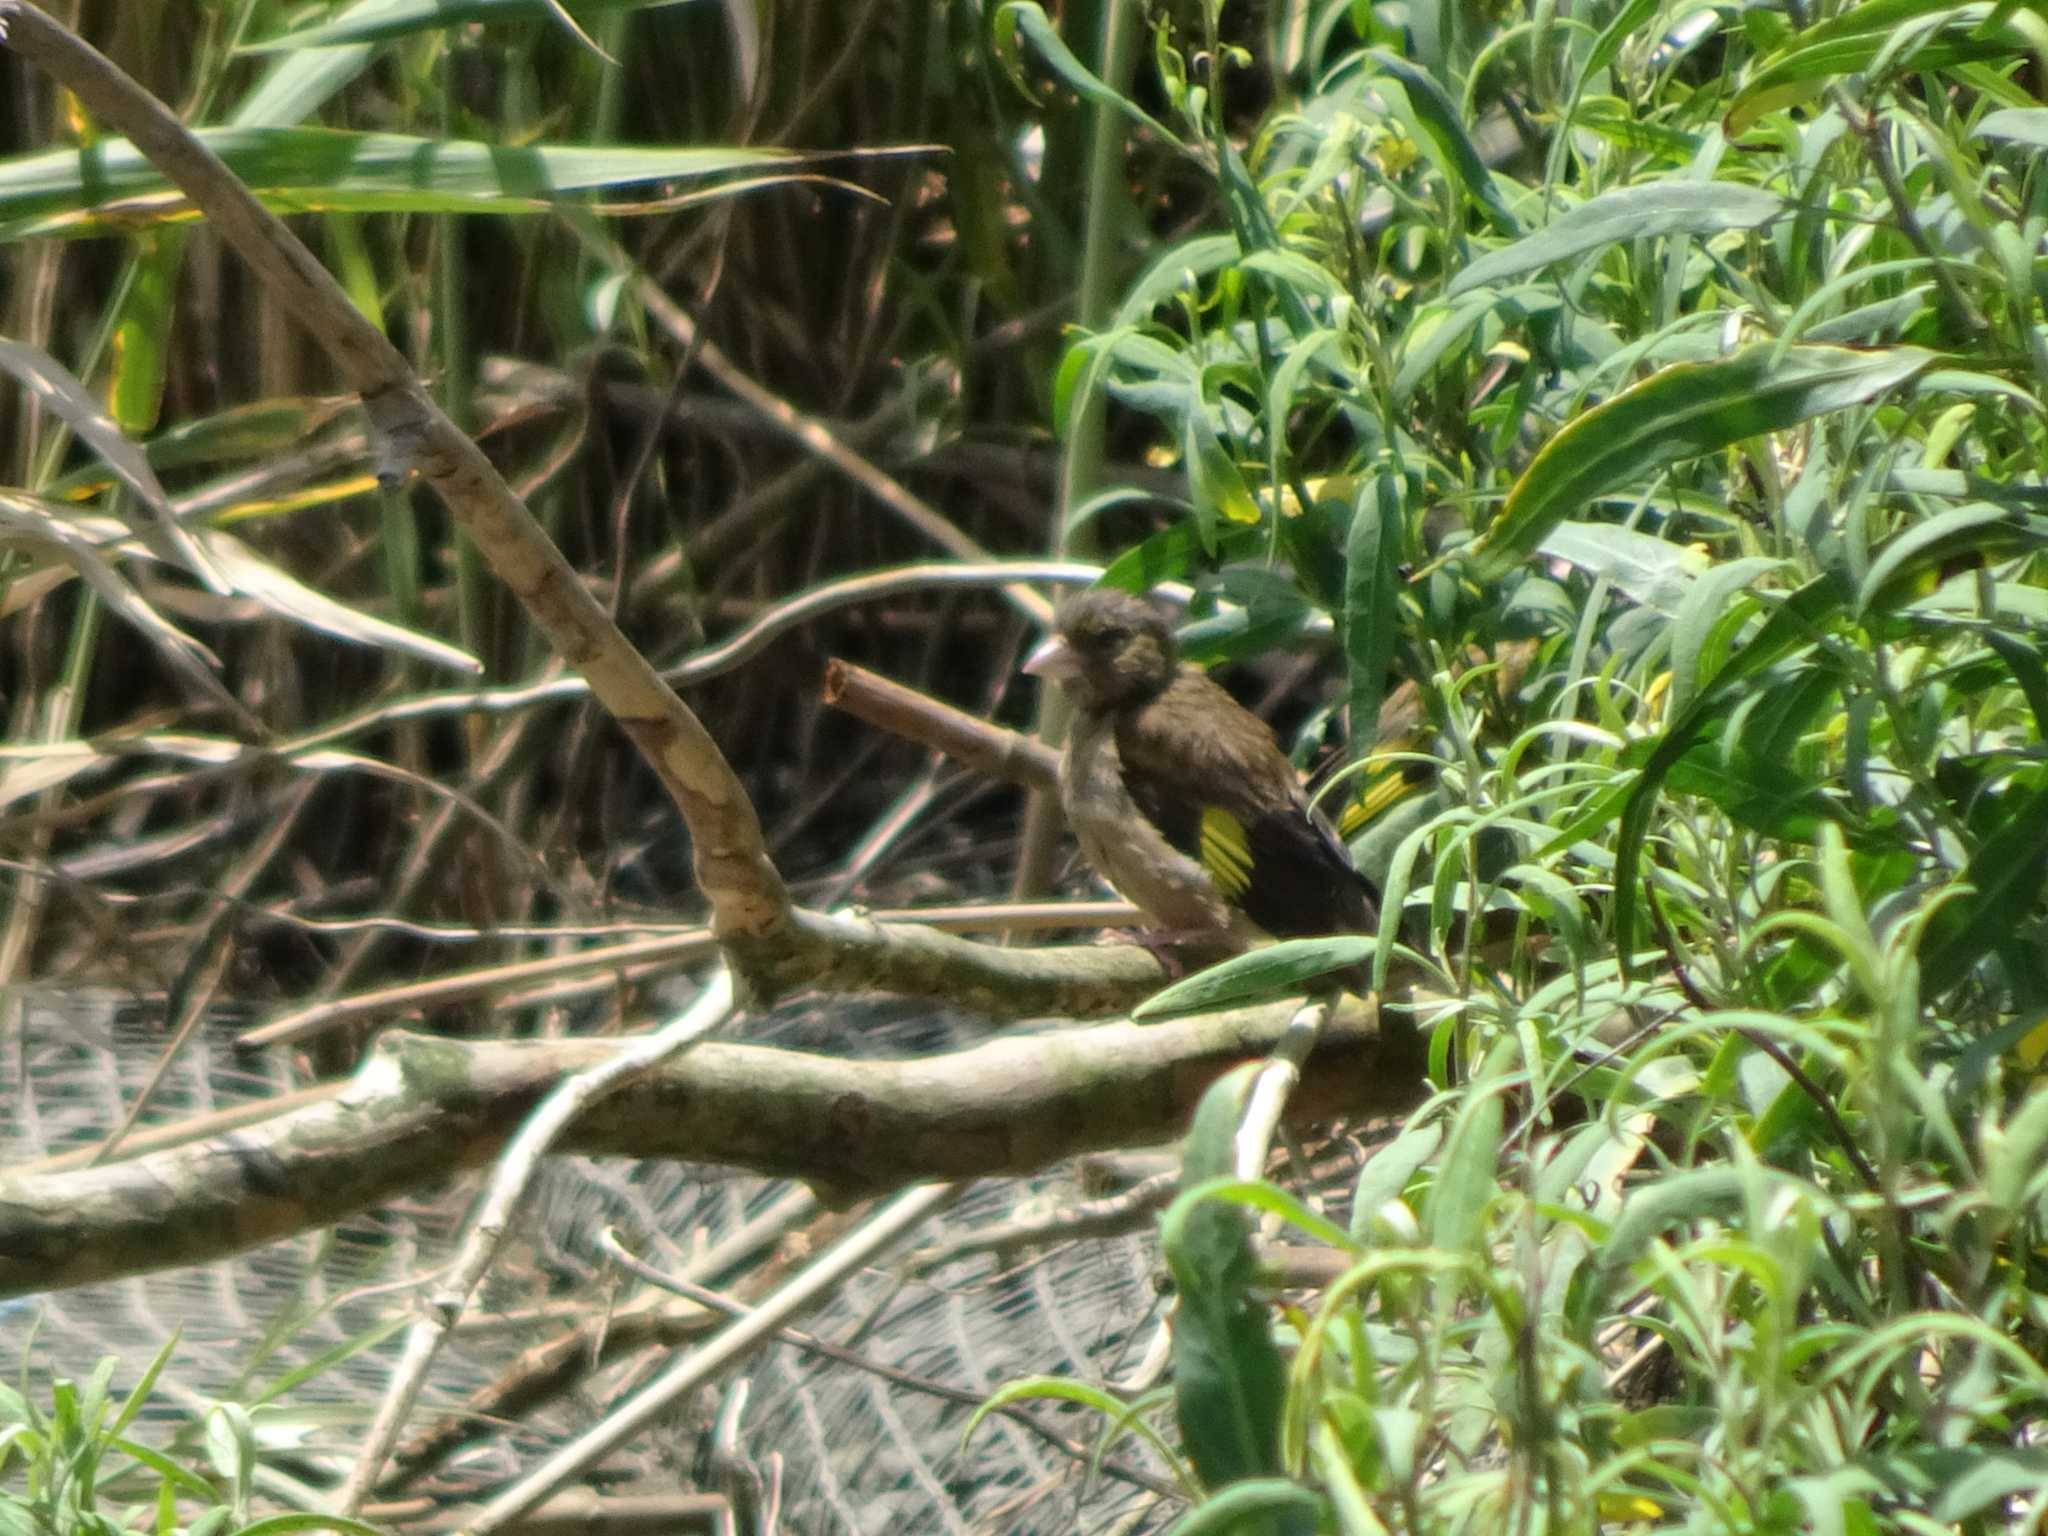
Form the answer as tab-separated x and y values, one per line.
423	1108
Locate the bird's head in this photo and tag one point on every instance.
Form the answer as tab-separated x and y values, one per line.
1108	649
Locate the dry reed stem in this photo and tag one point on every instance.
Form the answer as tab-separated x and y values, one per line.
744	889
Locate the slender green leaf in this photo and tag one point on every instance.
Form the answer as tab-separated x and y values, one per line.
1756	793
1026	1388
1674	1198
2015	1154
1652	572
1372	596
1027	18
2020	125
1984	1480
1614	121
1229	1380
1704	611
142	333
1248	1508
1387	1171
1174	270
1174	553
376	21
1633	213
1607	46
2007	875
1795	623
1217	485
2027	494
296	85
76	191
138	1394
1854	39
1441	331
1437	116
1686	410
1981	533
183	1478
1271	970
2028	671
1470	1176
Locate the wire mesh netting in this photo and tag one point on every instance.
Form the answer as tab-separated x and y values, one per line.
308	1327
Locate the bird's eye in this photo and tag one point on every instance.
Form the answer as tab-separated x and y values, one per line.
1112	637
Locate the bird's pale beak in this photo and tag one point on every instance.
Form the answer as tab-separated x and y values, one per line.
1055	659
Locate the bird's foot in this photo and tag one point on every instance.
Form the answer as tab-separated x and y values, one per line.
1179	950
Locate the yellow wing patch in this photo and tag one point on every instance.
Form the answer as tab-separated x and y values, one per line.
1226	854
1389	779
1384	789
2033	1047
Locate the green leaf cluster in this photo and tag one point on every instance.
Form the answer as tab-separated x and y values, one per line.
77	1469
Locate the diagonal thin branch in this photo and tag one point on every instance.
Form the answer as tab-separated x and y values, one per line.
514	1176
745	891
883	1230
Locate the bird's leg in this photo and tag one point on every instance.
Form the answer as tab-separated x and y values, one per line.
1181	950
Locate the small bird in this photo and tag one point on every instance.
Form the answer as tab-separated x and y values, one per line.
1180	796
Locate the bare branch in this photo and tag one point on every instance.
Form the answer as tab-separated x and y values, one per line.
640	959
848	952
972	742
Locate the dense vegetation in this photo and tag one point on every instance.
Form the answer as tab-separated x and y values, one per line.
1641	405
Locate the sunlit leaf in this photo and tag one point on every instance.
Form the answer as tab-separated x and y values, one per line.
61	392
1438	118
1653	572
1686	410
1850	41
298	603
80	191
1633	213
374	21
298	84
48	528
1271	970
1220	494
2020	125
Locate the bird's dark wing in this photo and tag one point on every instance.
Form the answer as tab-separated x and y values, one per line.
1176	814
1208	774
1305	883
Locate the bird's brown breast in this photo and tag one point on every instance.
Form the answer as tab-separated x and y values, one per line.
1127	846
